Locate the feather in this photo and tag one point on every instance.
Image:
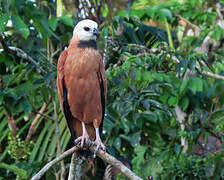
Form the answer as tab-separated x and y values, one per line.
87	44
67	112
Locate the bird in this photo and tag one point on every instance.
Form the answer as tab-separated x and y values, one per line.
82	85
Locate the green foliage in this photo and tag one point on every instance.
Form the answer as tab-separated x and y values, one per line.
144	91
3	21
18	171
190	167
20	26
18	150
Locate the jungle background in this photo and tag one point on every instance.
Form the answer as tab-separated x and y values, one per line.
165	69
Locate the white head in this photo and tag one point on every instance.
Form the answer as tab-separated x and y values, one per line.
86	30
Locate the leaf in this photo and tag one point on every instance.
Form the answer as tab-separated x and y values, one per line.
67	20
137	13
117	143
47	29
177	149
41	136
124	13
196	84
27	107
53	23
183	86
20	26
135	139
193	2
173	101
164	97
217	33
46	142
139	159
47	78
138	75
18	171
185	103
3	22
167	12
151	116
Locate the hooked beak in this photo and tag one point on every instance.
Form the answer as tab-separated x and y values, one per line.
96	32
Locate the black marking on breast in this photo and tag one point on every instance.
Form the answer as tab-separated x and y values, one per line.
102	95
67	111
87	44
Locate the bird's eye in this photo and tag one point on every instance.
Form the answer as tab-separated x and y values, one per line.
86	28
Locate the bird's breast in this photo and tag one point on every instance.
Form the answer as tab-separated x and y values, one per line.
83	62
82	83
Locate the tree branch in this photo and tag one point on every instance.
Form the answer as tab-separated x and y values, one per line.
102	154
32	127
216	76
53	162
181	115
12	125
117	164
20	53
75	172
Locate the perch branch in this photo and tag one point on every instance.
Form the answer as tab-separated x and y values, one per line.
75	170
53	162
20	53
117	164
102	154
71	175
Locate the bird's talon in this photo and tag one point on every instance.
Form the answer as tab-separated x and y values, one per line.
82	140
99	145
88	142
96	150
76	142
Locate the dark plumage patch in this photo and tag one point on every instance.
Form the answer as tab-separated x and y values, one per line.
102	102
67	111
88	44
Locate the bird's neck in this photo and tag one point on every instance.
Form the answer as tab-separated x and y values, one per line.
87	44
83	44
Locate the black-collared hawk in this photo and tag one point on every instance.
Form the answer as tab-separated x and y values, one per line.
81	83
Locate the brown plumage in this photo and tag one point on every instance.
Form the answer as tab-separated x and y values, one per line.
81	84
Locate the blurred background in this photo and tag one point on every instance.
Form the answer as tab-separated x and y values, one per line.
165	71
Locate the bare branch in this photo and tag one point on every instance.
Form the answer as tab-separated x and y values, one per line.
102	154
117	164
53	162
195	27
32	127
12	125
216	76
181	115
71	175
20	53
75	167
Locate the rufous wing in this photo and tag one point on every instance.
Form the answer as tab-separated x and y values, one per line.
62	92
60	76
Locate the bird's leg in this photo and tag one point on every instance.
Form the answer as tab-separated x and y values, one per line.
84	137
98	142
